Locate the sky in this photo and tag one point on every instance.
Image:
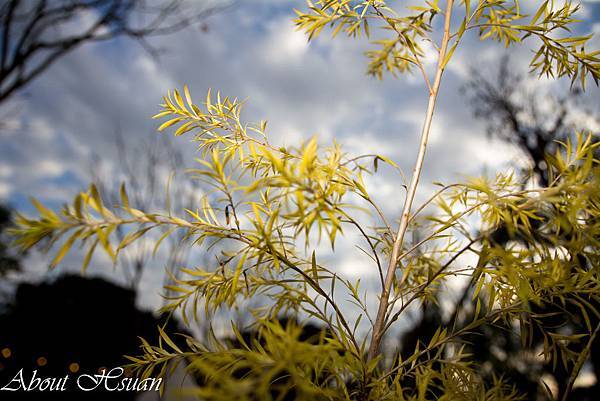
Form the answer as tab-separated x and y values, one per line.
66	120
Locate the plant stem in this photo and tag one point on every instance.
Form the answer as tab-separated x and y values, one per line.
378	328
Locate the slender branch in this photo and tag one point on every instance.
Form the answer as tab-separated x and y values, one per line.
430	200
417	60
315	285
378	329
6	31
455	219
370	243
428	282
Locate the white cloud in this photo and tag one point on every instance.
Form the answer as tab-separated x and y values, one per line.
50	168
284	44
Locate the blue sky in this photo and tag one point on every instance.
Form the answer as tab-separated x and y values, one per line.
250	51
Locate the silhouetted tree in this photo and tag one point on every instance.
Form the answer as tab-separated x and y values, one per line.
34	34
530	120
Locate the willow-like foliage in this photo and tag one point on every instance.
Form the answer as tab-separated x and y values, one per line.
270	207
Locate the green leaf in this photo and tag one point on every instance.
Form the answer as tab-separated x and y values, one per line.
168	340
64	249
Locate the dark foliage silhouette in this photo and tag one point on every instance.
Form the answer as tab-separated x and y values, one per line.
9	262
73	320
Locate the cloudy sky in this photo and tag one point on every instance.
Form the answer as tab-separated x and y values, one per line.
71	113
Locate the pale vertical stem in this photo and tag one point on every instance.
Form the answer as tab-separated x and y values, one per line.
378	327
